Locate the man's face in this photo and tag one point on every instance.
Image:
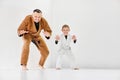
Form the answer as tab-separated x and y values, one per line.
65	30
37	16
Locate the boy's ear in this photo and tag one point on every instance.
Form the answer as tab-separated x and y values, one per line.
69	29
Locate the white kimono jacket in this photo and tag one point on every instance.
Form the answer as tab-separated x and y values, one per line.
65	56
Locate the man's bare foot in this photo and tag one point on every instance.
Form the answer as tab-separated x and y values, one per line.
41	67
24	67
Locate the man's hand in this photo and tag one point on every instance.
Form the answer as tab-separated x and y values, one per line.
22	32
47	34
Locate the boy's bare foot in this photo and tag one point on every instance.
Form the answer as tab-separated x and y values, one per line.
76	68
58	68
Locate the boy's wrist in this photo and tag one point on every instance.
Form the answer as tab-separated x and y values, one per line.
56	41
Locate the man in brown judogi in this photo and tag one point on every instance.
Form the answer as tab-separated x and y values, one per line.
29	30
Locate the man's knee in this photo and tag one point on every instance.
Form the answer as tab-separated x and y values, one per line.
45	53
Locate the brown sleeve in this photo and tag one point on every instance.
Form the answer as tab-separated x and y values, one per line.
23	25
46	26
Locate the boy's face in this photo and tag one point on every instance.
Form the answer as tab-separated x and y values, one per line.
65	30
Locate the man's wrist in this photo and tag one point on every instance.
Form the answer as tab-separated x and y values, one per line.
47	37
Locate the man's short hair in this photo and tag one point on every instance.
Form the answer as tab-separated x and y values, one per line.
37	10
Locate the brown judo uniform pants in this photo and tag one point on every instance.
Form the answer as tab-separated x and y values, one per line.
40	44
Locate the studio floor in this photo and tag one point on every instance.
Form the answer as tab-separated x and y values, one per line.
64	74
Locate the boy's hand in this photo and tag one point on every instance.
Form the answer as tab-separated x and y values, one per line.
57	37
74	37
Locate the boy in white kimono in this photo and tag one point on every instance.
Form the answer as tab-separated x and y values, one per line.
65	56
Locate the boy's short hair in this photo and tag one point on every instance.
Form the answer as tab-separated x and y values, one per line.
37	10
65	26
